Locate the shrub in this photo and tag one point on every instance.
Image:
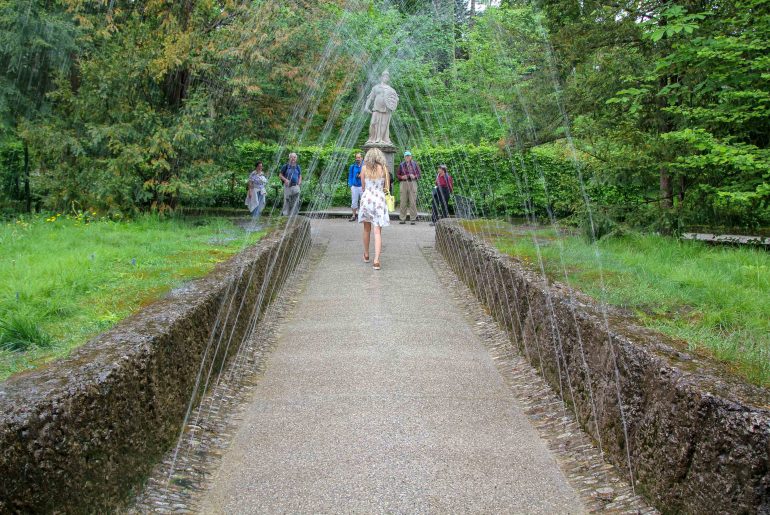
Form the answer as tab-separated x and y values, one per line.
544	182
19	333
599	225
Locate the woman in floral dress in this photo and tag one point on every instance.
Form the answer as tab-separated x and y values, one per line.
373	210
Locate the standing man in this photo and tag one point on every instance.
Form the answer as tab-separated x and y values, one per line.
408	174
291	176
354	181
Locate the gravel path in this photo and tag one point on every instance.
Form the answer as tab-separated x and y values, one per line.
380	397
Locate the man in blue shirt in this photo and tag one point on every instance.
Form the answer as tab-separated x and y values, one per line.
291	176
354	181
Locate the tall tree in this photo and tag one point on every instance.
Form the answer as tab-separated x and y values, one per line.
163	90
37	45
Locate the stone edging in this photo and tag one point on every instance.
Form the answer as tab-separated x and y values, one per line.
696	441
178	484
83	433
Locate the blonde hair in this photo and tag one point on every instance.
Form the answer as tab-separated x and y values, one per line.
374	164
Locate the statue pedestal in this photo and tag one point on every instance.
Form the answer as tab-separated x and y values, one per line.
389	150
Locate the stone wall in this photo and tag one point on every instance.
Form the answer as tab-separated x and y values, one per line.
698	440
82	433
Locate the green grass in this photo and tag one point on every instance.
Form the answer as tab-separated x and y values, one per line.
714	299
62	281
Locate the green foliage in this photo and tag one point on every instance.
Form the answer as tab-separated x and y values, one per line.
540	183
598	225
11	176
37	44
160	92
133	107
37	40
678	104
324	170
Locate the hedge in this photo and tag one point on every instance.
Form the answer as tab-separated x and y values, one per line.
535	183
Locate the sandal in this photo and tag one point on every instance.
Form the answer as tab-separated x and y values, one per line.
366	258
376	265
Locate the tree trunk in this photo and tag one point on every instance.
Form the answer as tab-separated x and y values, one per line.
666	190
666	201
176	87
666	184
16	179
27	193
187	9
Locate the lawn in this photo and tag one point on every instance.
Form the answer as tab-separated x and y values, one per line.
716	299
64	280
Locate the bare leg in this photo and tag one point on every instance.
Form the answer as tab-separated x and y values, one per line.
367	234
377	243
355	200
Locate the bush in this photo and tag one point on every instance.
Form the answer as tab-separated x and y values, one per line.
532	184
599	226
738	209
12	198
328	163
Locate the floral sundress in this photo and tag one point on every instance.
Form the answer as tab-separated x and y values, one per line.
373	207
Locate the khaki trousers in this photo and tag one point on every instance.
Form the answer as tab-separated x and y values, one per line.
408	200
291	201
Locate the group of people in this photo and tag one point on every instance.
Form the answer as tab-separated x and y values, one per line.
370	183
256	188
408	174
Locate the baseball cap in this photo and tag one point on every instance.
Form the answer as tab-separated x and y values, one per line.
407	153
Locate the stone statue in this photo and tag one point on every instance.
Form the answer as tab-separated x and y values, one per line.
384	100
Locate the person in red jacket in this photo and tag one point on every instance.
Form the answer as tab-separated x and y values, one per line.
441	193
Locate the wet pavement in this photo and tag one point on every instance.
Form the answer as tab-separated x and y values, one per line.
380	396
